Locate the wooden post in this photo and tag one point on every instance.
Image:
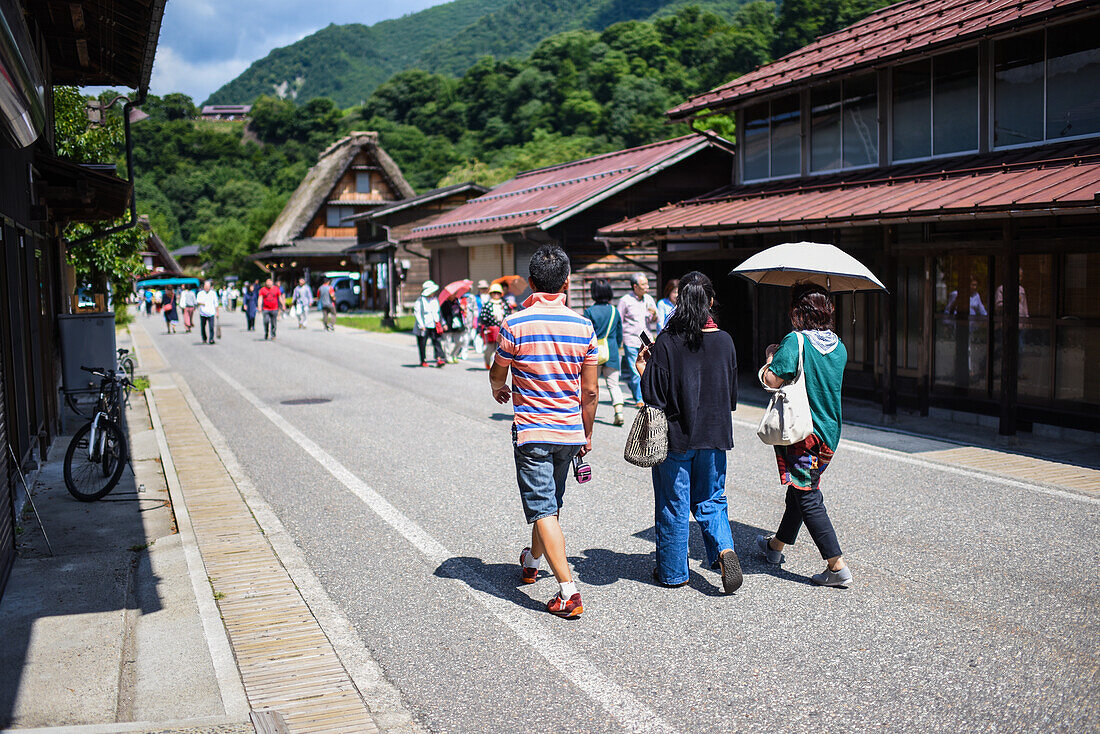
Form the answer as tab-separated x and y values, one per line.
1010	331
890	353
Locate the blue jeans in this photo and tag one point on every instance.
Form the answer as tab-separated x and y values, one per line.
633	379
541	471
691	483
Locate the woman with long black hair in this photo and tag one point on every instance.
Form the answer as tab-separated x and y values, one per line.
690	373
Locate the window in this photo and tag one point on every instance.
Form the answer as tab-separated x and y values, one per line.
363	182
1044	84
771	143
935	106
1073	78
334	216
844	124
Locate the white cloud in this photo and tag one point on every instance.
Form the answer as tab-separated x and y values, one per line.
173	73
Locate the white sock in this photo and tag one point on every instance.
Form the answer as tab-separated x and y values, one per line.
529	561
568	589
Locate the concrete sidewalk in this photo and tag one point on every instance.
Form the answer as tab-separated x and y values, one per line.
108	632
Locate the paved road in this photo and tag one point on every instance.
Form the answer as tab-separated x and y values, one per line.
975	605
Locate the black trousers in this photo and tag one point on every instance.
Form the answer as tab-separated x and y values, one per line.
808	507
437	344
250	320
207	322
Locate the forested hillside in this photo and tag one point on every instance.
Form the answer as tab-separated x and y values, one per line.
347	62
578	93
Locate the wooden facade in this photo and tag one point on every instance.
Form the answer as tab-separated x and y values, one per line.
39	194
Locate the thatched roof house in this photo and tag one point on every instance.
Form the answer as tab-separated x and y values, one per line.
355	174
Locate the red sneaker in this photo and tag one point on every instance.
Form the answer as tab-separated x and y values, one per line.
568	609
423	364
530	575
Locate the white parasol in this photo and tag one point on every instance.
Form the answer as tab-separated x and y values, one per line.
800	262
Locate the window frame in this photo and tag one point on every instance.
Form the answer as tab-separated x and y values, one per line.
986	70
801	95
808	125
989	72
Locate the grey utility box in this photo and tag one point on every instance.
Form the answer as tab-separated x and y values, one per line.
86	339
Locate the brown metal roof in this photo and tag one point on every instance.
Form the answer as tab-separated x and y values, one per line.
901	29
1021	182
542	197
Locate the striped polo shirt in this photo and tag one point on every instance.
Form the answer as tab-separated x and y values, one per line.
546	344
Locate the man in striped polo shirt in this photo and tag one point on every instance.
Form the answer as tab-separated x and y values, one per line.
551	351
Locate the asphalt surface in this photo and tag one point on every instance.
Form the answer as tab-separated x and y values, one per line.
975	603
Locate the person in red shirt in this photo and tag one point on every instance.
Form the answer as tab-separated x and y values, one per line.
271	303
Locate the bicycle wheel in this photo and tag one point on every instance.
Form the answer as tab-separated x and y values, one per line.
127	365
90	474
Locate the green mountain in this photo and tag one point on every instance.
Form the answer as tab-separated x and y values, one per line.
347	62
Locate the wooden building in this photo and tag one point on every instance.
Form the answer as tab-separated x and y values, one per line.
496	234
954	147
381	232
315	232
113	44
156	257
190	259
225	111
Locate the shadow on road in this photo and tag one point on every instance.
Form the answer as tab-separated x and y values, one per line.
502	580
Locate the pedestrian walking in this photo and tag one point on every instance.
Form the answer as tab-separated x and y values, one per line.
234	296
271	305
491	317
189	304
208	311
639	313
822	356
551	352
609	335
454	328
148	302
250	302
690	374
428	325
303	300
479	301
168	306
326	301
667	305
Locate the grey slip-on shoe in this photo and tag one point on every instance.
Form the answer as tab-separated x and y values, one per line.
842	578
773	556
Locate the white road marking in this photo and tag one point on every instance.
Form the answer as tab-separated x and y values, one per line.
617	701
870	450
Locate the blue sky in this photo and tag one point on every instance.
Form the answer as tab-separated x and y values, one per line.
205	43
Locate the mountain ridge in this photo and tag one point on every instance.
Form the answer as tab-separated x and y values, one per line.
346	62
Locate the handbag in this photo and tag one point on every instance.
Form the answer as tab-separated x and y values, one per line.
603	354
647	442
787	419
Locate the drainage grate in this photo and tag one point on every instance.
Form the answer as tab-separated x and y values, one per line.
307	401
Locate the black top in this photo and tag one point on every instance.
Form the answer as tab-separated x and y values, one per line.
696	390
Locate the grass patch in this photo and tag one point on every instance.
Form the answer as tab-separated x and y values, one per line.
141	384
374	323
123	317
141	547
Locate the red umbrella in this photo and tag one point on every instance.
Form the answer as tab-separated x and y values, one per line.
455	289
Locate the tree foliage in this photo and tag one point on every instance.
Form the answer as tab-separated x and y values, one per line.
110	261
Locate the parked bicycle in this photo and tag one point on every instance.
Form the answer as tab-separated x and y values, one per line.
80	402
98	451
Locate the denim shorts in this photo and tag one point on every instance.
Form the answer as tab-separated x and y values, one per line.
541	470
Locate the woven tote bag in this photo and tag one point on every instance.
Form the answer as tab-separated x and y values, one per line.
787	419
647	442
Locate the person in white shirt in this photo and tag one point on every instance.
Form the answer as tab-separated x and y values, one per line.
639	313
426	313
303	299
208	310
